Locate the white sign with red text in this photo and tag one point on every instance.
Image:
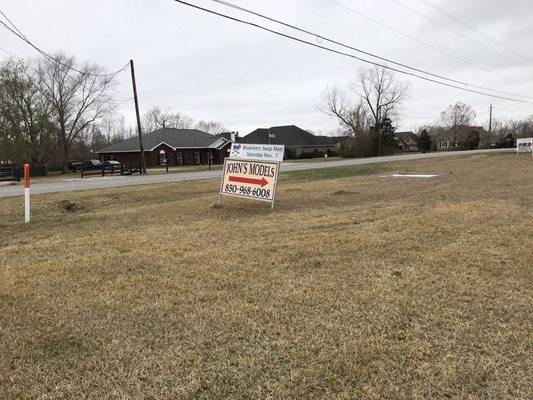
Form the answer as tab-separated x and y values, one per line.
250	179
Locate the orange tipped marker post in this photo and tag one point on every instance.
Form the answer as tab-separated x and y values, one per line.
26	193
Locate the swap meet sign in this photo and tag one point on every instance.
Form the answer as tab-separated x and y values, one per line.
250	179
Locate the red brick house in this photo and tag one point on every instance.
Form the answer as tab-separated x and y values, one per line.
169	145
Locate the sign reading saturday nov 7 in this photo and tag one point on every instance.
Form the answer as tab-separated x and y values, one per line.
250	179
259	152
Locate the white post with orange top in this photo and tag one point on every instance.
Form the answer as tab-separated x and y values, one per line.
26	193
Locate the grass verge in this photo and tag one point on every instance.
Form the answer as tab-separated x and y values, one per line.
355	286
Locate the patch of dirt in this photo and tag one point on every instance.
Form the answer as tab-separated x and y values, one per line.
344	193
68	205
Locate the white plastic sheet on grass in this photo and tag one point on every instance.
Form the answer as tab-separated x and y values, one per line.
409	176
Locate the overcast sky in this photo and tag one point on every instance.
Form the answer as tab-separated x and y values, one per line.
214	69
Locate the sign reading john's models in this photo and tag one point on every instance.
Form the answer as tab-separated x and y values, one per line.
259	152
250	179
524	145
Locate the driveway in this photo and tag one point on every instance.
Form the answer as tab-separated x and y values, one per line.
110	182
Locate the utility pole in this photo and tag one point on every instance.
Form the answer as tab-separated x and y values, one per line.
139	130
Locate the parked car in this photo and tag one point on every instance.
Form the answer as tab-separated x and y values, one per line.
112	163
92	165
74	165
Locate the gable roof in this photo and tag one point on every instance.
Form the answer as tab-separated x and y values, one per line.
172	137
407	138
460	132
289	135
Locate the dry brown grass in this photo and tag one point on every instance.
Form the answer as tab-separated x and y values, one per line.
354	287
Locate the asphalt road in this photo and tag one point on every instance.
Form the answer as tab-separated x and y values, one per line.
118	181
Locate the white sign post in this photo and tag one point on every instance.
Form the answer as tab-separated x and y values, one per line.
524	145
26	193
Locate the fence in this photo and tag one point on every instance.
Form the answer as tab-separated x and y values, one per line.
35	170
123	169
9	174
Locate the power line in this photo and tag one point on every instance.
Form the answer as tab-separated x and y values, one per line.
234	6
452	31
12	24
118	102
412	38
22	37
473	29
336	42
287	36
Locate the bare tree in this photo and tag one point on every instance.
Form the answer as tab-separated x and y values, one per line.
378	95
156	118
524	128
76	99
458	114
383	96
381	92
353	118
212	127
24	123
114	128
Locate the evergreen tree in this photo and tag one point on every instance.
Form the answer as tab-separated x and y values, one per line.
424	141
383	139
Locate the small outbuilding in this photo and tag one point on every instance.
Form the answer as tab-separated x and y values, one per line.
170	146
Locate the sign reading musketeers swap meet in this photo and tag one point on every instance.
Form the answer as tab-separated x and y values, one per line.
259	152
254	177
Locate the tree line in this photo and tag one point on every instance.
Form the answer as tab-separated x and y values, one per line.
367	108
56	109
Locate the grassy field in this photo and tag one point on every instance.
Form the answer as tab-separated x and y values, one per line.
355	286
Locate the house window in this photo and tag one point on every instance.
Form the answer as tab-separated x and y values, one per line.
196	157
179	158
162	157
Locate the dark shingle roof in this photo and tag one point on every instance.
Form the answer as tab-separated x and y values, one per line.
407	138
289	135
177	138
460	132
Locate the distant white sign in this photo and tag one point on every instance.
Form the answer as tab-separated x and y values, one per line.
257	152
410	176
524	145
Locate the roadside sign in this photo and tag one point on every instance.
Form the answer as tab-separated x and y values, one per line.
524	145
258	152
250	179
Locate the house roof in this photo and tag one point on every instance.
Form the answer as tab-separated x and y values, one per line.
289	135
174	138
460	132
407	138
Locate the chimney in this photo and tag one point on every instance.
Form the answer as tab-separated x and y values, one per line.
233	136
